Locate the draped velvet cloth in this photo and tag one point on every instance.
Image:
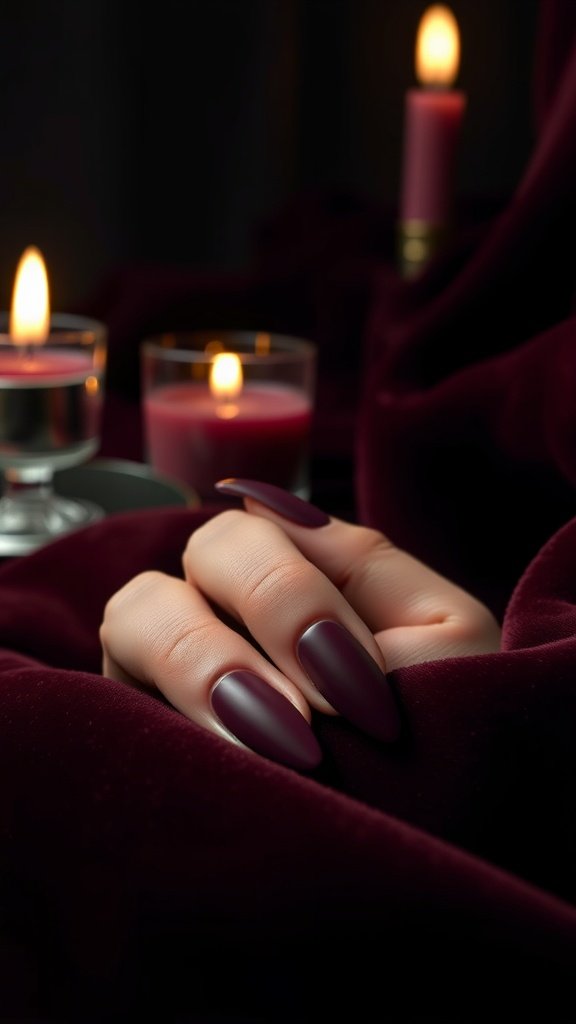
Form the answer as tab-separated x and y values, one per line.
150	868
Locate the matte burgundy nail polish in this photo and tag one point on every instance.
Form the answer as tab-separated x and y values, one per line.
264	720
350	680
285	504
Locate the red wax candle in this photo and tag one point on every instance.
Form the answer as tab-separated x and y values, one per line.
197	438
39	365
51	370
50	402
433	117
432	131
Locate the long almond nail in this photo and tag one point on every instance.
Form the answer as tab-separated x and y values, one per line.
264	720
285	504
350	680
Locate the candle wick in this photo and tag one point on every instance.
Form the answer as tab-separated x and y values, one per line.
26	353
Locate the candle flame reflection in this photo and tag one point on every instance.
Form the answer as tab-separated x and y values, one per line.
30	312
437	47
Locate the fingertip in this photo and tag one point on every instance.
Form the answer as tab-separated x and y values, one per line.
262	718
283	502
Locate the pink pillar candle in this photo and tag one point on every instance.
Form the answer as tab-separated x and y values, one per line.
433	119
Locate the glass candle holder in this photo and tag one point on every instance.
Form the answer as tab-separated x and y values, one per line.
51	399
220	404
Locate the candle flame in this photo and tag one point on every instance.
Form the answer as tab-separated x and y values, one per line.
30	312
437	47
226	376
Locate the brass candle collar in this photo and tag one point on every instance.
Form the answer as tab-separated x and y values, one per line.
417	242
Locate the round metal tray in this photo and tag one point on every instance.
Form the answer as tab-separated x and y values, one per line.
119	485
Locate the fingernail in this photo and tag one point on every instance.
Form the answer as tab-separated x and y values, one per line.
282	502
350	680
264	720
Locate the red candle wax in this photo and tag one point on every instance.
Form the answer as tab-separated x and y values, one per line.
199	439
50	400
44	365
431	135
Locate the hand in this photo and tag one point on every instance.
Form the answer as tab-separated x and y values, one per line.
283	609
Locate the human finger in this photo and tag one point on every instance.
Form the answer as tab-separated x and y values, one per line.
415	613
253	571
158	631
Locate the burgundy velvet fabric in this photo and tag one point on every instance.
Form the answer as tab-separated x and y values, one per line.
465	410
151	870
148	866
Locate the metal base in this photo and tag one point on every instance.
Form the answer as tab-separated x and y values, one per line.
417	243
26	525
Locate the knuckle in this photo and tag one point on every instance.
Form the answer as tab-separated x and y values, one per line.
277	585
368	550
369	539
128	593
213	529
209	533
479	628
485	625
181	643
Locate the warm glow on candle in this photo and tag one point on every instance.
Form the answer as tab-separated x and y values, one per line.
262	344
437	47
30	313
226	376
213	347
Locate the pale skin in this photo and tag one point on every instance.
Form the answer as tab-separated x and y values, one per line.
275	578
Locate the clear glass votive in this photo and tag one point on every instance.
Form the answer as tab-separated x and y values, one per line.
51	397
219	404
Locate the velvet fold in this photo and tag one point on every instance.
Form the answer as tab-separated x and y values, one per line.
148	867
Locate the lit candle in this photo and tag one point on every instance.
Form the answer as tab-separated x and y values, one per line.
24	355
51	377
51	371
433	118
30	312
220	421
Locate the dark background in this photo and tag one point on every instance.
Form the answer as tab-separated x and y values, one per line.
132	132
